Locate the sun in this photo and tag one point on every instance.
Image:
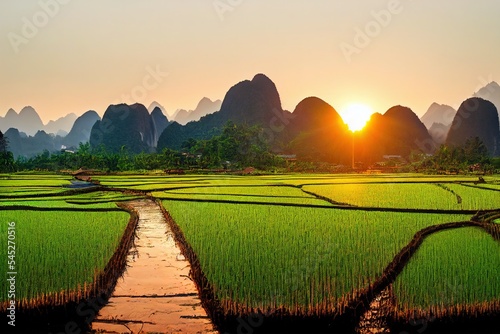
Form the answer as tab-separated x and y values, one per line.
356	115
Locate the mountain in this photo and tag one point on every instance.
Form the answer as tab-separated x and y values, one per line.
129	126
251	102
80	131
439	132
181	116
27	121
14	139
397	132
160	122
155	105
10	118
61	125
314	123
490	92
476	117
29	146
438	113
312	114
204	107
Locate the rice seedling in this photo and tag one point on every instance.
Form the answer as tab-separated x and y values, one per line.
453	271
390	195
307	260
59	251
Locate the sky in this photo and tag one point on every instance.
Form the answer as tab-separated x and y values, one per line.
64	56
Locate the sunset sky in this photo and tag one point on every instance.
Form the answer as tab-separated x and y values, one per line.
87	54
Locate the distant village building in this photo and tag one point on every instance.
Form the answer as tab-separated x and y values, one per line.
288	157
392	157
84	175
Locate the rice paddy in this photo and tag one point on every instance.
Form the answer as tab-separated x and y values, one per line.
305	245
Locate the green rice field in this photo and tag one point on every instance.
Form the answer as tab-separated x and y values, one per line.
309	244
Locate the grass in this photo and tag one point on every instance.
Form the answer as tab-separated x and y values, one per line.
389	195
475	198
259	194
304	259
58	251
454	268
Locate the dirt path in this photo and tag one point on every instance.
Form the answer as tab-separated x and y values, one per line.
374	319
155	295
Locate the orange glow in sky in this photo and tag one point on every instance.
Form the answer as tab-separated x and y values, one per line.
59	61
356	115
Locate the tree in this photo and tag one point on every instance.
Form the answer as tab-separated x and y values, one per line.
7	163
475	151
241	145
3	143
448	158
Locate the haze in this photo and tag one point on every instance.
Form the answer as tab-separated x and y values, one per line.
93	53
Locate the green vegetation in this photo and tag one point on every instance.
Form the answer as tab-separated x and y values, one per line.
389	195
258	194
237	146
447	196
59	251
460	158
311	258
7	163
305	259
473	198
452	269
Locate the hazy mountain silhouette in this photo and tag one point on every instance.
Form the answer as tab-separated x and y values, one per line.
490	92
27	121
160	122
62	125
318	132
249	102
182	115
80	132
14	139
204	107
129	126
28	146
476	117
438	113
154	105
398	132
439	132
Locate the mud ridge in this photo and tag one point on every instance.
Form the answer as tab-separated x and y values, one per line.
362	305
53	312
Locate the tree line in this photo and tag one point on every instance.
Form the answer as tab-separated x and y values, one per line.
237	146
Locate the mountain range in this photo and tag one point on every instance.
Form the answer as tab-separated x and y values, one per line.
438	119
62	125
80	131
204	107
490	92
313	131
127	126
28	144
29	122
